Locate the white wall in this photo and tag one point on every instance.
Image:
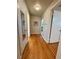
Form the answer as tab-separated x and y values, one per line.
46	27
47	19
35	29
22	6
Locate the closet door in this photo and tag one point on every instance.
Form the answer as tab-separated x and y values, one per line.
56	26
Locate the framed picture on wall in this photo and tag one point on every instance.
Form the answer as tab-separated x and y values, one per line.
23	25
35	23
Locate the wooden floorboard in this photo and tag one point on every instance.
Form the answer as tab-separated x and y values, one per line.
37	48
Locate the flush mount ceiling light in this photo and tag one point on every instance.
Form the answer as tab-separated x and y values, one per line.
37	7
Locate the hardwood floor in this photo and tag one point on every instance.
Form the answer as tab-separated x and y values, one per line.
37	48
54	47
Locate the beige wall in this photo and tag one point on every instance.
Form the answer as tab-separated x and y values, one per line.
22	6
35	29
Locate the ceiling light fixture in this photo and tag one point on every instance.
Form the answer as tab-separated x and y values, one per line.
37	7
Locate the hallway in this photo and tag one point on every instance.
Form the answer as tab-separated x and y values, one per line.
38	29
37	48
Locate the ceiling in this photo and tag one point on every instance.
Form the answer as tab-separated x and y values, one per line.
58	8
43	3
